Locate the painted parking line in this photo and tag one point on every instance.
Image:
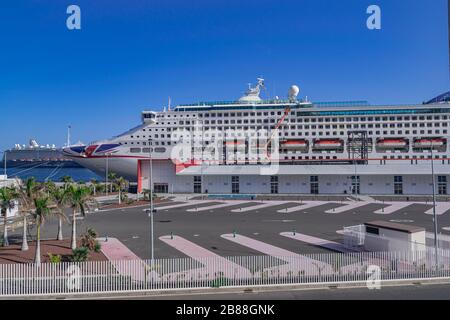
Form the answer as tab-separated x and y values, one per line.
348	206
393	207
218	206
295	261
327	244
260	206
212	263
186	204
441	208
303	206
125	261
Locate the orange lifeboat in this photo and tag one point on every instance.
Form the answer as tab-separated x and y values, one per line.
328	144
429	142
294	144
392	143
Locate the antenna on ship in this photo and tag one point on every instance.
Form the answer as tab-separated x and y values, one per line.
68	135
168	105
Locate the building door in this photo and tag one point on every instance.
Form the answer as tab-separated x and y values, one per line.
197	184
314	184
442	184
398	185
274	184
161	188
235	184
356	184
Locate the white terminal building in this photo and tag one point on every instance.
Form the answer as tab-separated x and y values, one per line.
282	146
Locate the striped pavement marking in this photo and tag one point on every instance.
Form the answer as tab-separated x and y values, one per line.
260	206
303	206
294	260
349	206
327	244
212	263
441	208
117	252
393	207
186	204
218	206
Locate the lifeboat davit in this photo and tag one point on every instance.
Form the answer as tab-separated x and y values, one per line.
294	144
328	144
429	142
392	143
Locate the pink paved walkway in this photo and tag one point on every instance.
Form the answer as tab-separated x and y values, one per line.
441	208
327	244
125	261
218	206
295	262
305	205
393	207
348	206
212	263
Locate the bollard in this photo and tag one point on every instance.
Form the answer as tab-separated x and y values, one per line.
171	235
294	231
106	239
234	233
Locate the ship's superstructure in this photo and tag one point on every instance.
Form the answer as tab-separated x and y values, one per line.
35	154
281	146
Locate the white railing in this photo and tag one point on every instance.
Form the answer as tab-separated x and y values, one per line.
186	273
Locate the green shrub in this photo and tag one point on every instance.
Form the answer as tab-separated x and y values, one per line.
97	247
89	239
80	254
54	258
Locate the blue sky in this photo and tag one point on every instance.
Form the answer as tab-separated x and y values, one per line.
131	55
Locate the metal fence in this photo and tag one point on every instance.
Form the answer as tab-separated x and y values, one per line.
187	273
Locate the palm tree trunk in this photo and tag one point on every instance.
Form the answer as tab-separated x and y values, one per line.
5	230
74	231
60	235
24	236
37	257
120	196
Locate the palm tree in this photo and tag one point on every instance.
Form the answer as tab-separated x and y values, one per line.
94	183
42	210
111	177
7	197
67	180
121	183
60	198
27	194
80	199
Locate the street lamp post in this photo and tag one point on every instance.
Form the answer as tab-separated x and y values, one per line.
151	198
106	176
434	209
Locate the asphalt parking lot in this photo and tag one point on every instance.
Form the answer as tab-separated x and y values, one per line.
205	227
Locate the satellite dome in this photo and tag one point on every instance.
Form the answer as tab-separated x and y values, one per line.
293	92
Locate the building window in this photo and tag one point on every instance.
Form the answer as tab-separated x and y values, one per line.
398	185
161	188
235	184
442	184
274	184
197	184
314	184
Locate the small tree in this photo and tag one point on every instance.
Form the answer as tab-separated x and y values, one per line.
7	197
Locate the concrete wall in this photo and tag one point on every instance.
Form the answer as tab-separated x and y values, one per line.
165	172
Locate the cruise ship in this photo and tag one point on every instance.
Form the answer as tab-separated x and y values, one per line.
36	155
287	146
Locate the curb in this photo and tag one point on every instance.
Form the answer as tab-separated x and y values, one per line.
212	291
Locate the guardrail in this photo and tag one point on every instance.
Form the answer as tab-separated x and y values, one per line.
186	273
